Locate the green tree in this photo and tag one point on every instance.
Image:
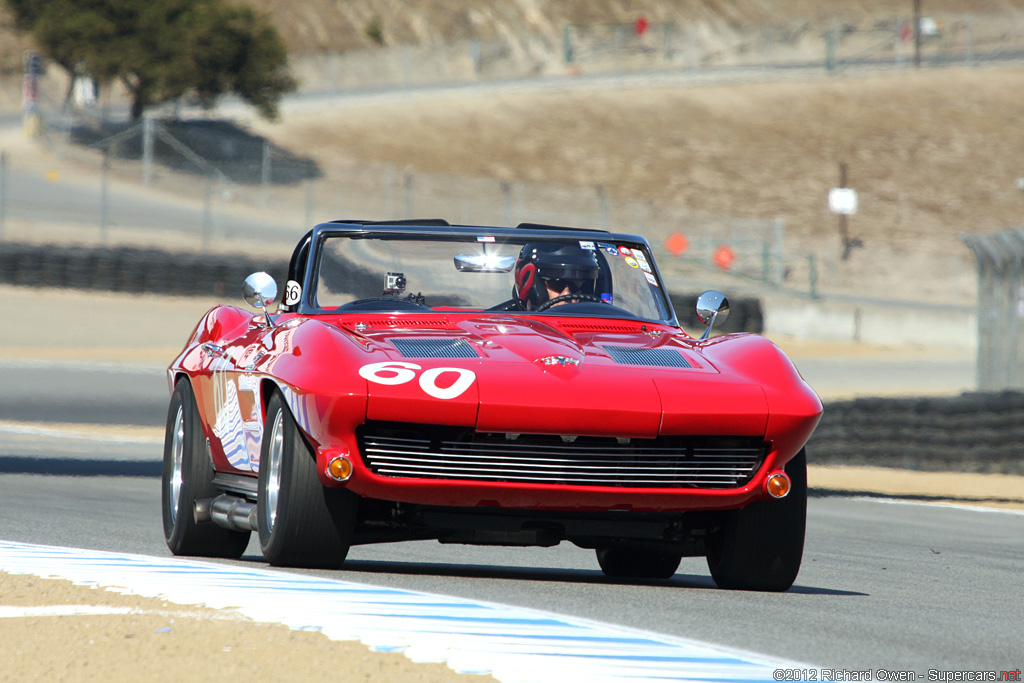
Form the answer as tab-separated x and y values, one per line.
162	50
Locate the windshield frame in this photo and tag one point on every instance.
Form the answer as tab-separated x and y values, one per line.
317	238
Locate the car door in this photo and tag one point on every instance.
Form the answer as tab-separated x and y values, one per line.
237	420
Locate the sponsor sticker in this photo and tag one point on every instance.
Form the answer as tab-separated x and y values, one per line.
624	251
632	262
485	238
608	248
650	278
587	245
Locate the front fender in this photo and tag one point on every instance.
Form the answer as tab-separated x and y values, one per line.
793	408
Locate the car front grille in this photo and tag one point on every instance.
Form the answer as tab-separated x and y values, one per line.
429	452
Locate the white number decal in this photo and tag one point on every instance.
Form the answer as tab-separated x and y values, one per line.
403	372
398	372
428	382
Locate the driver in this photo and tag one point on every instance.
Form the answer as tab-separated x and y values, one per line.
554	272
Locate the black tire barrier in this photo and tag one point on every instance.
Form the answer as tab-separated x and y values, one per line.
137	270
973	432
130	269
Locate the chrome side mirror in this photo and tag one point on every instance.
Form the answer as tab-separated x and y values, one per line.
260	290
712	307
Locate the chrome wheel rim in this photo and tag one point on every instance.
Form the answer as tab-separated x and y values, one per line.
177	462
273	465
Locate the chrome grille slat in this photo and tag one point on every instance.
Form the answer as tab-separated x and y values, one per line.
701	482
432	452
576	468
548	462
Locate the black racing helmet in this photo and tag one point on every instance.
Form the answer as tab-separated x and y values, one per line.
566	264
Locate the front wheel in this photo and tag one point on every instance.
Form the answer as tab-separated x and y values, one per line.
761	546
188	477
302	523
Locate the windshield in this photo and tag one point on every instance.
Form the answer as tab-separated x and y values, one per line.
536	275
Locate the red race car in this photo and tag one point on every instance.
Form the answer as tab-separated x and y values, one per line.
498	386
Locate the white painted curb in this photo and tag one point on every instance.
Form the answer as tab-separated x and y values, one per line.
514	644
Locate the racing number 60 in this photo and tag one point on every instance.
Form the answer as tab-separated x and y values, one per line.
399	372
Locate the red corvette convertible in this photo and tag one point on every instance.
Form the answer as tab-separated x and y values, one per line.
503	386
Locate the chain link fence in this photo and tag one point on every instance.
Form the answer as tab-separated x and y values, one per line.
217	183
831	44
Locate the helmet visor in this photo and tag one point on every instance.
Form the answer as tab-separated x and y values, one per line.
575	286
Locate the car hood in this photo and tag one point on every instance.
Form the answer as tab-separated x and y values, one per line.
514	374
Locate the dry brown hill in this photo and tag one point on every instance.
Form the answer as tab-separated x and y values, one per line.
333	25
933	153
314	26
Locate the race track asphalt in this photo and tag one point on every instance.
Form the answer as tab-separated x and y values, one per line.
883	585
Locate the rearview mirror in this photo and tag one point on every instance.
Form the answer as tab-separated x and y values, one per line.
484	263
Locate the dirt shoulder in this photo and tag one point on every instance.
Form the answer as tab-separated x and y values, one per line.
1003	491
94	634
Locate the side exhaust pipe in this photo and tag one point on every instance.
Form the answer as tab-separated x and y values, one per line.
227	511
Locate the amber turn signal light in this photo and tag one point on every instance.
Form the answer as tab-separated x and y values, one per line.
777	485
339	469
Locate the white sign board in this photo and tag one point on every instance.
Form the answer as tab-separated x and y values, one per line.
842	200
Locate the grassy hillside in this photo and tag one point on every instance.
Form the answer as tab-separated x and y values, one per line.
932	154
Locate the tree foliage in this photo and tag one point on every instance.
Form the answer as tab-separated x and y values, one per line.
162	50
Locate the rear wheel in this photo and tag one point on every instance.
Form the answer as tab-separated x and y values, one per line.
760	547
638	562
302	523
188	477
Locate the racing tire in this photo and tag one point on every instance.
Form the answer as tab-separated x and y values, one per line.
188	477
637	562
760	546
301	522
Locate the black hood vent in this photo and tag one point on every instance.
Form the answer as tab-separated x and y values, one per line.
631	355
434	348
